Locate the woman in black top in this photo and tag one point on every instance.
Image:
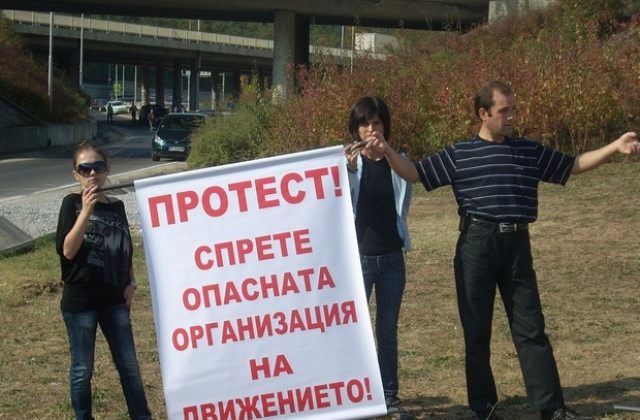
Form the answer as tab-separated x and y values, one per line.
381	202
95	249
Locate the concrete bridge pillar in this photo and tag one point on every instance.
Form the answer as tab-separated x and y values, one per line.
146	77
283	46
160	84
72	66
502	8
194	83
290	49
176	100
236	84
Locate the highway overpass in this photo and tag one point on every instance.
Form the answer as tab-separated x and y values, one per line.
372	13
120	43
292	18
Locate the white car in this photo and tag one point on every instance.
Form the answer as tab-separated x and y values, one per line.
119	107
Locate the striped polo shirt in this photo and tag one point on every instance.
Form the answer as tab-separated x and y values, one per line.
496	181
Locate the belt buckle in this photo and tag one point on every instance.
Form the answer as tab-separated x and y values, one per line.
507	227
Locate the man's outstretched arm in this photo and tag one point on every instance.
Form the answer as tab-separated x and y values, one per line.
400	164
627	144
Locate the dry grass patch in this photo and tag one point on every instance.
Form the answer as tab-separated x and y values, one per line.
585	248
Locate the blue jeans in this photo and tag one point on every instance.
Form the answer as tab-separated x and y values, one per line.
115	324
387	274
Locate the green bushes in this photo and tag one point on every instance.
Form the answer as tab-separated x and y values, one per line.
238	137
574	67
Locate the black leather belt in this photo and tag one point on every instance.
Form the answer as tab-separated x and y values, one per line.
503	227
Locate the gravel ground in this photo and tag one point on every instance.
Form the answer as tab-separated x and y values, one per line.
37	214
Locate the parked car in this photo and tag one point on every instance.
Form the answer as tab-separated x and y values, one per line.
172	139
98	105
119	107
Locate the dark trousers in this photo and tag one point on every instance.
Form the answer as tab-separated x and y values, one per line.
486	258
387	274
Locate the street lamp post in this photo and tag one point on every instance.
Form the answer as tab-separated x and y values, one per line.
114	88
135	84
222	94
81	47
50	70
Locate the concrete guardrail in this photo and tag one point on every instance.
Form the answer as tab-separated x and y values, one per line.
24	139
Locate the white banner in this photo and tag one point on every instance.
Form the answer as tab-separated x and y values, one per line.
257	291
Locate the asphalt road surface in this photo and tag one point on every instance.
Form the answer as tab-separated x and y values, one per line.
128	149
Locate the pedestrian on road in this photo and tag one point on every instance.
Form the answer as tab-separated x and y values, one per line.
109	113
495	182
380	201
96	254
152	118
134	112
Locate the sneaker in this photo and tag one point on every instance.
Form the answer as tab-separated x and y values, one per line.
562	414
395	410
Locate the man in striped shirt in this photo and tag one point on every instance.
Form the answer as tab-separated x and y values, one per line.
495	182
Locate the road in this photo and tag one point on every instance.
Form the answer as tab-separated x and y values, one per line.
129	149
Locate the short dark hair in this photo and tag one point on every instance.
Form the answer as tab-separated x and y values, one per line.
366	108
484	97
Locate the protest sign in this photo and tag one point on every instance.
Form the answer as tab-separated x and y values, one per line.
257	291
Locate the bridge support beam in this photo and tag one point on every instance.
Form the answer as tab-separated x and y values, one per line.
176	100
160	84
73	66
290	49
146	77
194	85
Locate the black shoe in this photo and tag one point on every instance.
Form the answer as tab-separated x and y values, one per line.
562	414
395	410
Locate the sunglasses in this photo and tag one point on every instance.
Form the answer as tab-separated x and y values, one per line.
84	169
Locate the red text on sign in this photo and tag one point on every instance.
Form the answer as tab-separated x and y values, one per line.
258	194
282	403
255	327
265	247
261	287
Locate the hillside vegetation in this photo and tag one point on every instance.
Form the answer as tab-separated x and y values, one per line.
575	69
24	82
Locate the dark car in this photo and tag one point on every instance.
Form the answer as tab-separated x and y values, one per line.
172	139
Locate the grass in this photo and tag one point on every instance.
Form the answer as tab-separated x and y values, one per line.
584	246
